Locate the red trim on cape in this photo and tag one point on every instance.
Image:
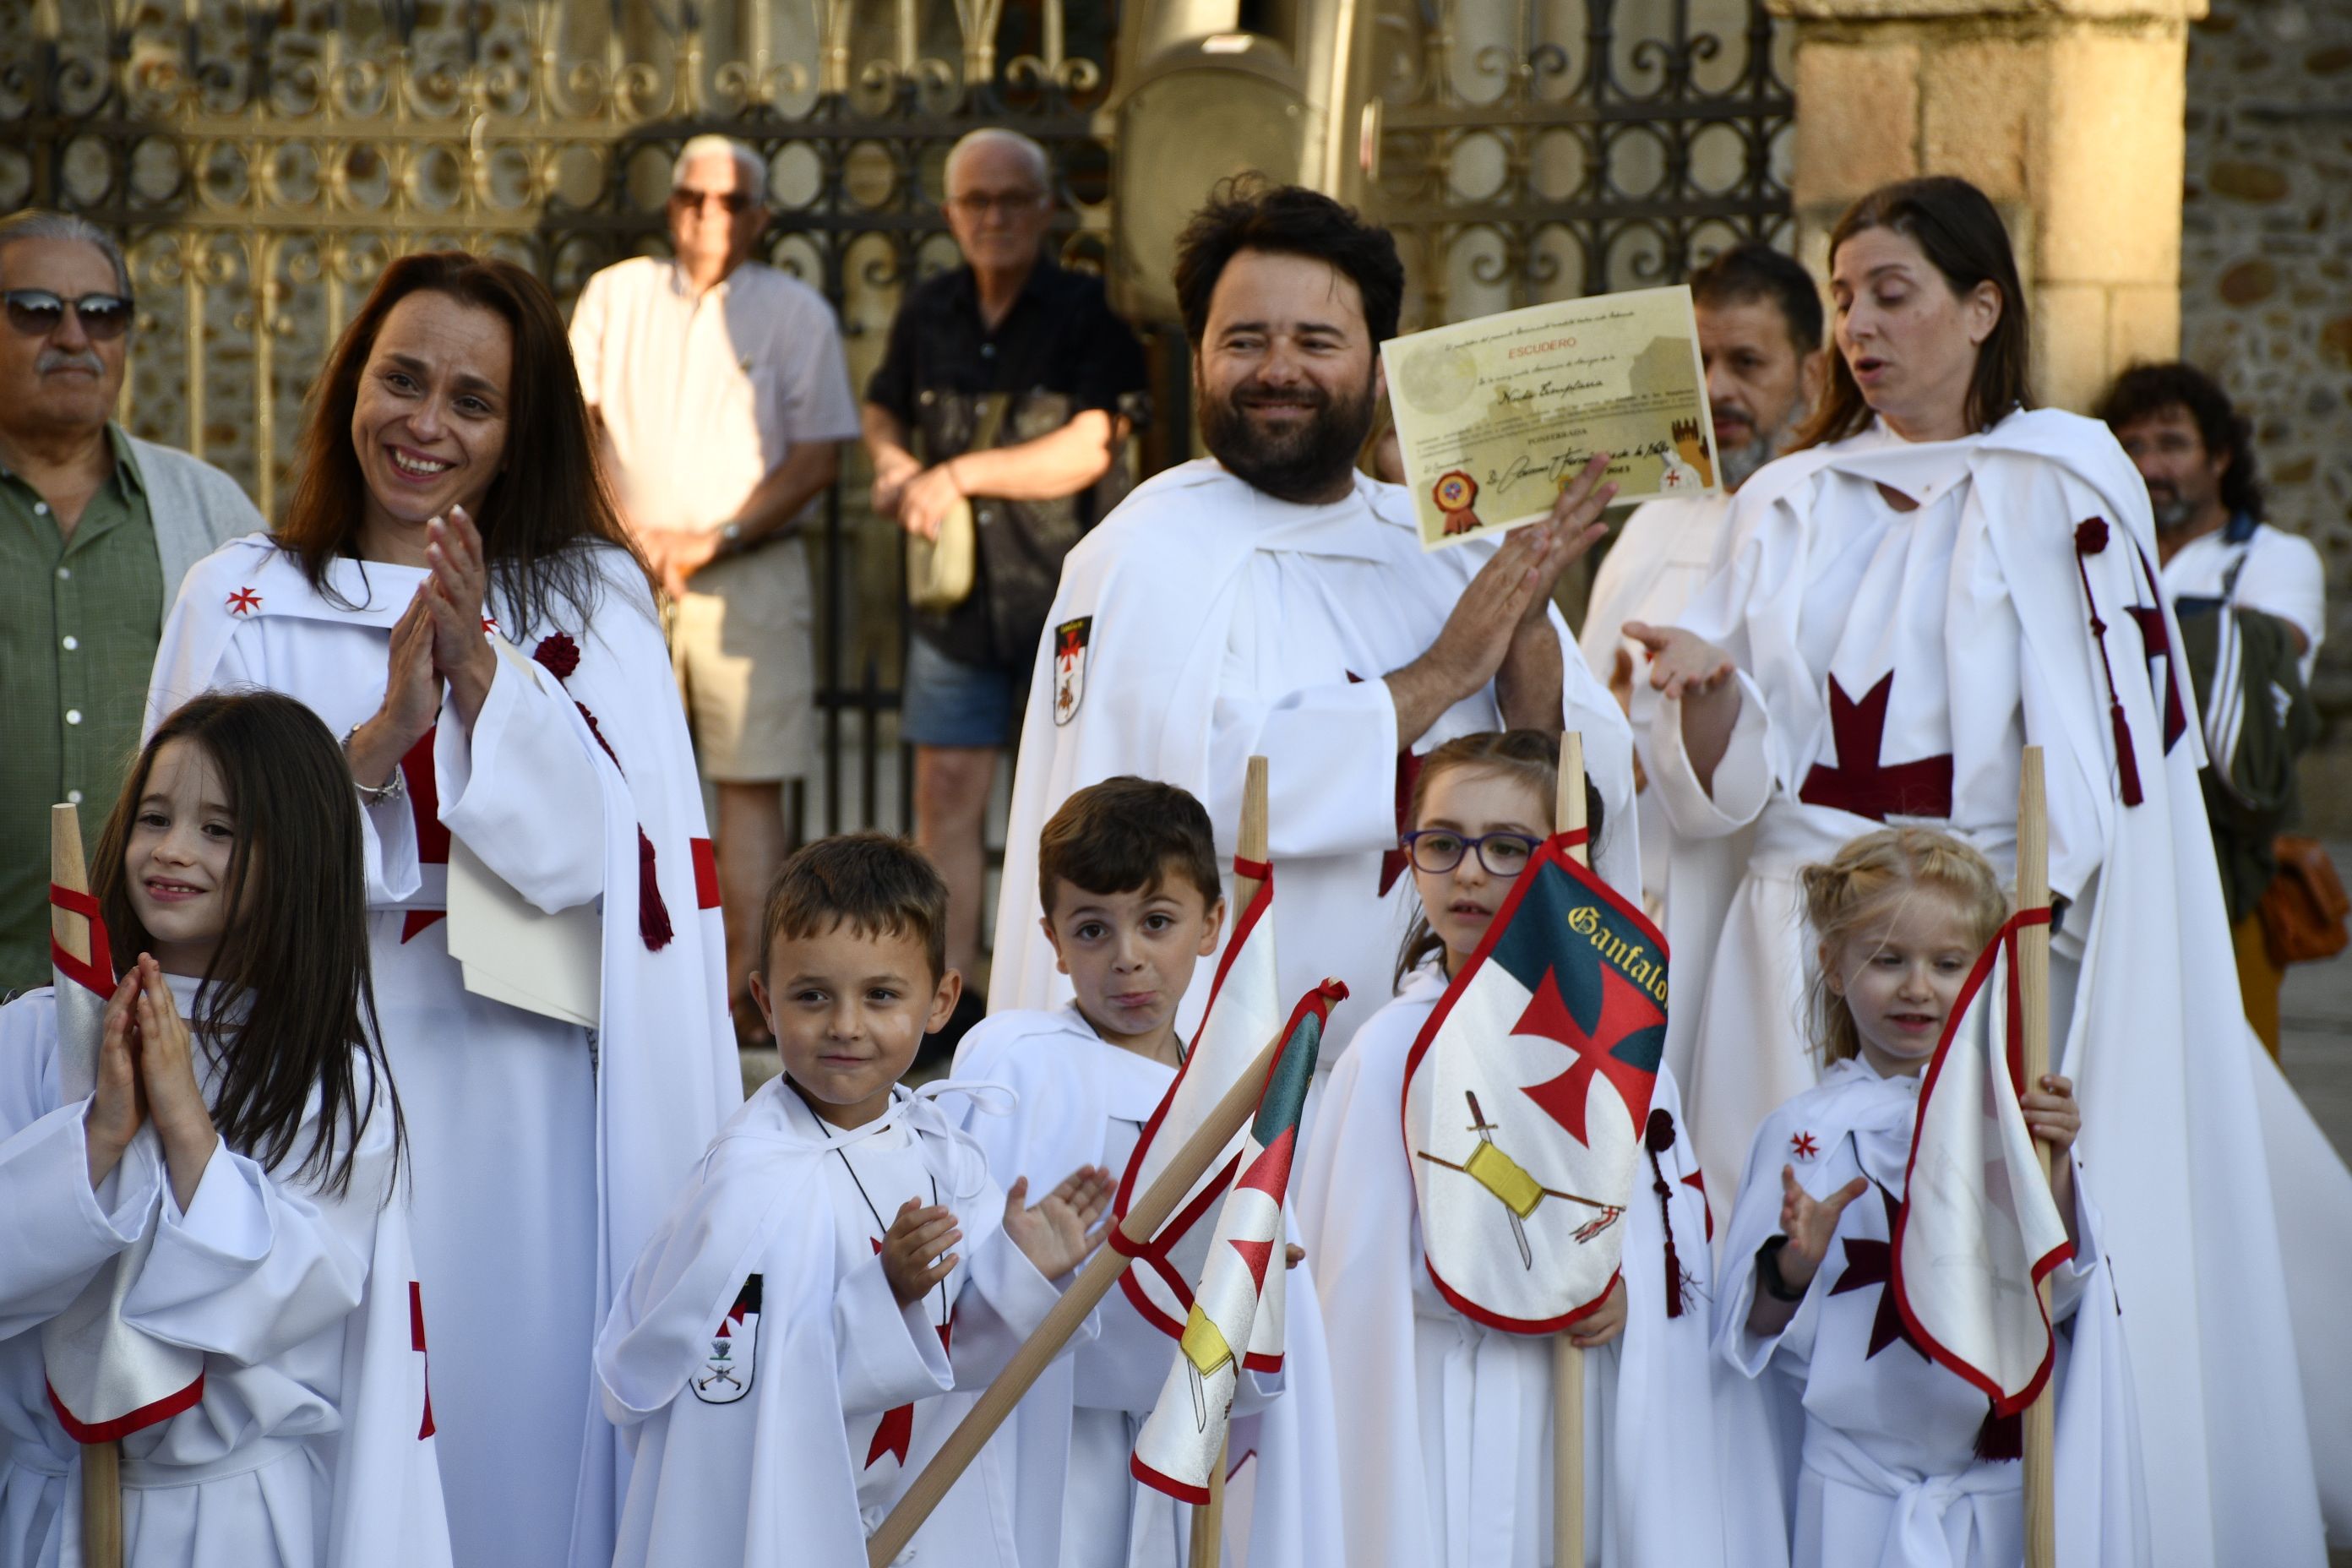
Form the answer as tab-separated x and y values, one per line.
121	1427
1553	851
1940	1353
1183	1492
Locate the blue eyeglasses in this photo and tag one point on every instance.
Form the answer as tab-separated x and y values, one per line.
1440	849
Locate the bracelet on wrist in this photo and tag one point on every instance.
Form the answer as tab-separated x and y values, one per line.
1768	1271
384	794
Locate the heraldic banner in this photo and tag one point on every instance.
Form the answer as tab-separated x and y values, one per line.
1977	1228
1244	1012
106	1378
1526	1094
1235	1321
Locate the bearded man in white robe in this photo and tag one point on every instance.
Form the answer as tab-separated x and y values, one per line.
1270	600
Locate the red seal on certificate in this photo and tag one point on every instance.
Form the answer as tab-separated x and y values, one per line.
1455	493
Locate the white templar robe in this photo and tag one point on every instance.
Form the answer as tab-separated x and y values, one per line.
1891	666
1661	555
541	1154
1222	623
835	1397
312	1446
1084	1102
1873	1452
1445	1424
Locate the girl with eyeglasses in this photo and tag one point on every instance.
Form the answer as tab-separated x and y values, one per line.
1444	1424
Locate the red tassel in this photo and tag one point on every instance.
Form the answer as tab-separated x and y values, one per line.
2090	538
653	915
1659	1136
2001	1437
2126	764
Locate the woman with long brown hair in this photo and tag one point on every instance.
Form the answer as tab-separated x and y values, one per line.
1942	575
451	592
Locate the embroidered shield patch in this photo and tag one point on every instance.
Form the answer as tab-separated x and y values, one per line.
1070	666
725	1374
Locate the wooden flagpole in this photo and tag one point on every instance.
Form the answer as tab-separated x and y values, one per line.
2034	994
1209	1518
1567	1360
1144	1217
101	1463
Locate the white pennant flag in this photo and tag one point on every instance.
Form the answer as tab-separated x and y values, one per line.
1244	1012
1977	1228
1235	1319
106	1378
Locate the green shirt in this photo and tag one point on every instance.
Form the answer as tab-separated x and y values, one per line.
77	639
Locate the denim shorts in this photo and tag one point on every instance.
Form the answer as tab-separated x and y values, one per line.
950	703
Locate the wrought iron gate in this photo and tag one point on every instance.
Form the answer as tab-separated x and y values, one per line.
263	160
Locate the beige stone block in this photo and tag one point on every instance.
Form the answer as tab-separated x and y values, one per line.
2108	188
2143	324
2071	344
1934	10
1860	124
1980	109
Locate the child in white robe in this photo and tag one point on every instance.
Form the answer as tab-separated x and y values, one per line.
1885	1455
1443	1423
1127	875
804	1328
240	1155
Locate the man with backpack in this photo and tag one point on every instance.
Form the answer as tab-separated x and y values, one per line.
2251	602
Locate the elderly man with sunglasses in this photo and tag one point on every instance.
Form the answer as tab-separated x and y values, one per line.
96	528
719	390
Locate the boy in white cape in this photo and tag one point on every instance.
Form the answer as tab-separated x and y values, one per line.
1127	873
841	1250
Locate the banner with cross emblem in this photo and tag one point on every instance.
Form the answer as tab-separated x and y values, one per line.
1526	1095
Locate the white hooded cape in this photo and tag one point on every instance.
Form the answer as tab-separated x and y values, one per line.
2174	1092
1868	1458
1651	1495
1223	624
312	1445
542	1153
1071	1084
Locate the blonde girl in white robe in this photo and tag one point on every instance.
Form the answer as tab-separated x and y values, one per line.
1445	1424
1885	1455
451	591
263	1216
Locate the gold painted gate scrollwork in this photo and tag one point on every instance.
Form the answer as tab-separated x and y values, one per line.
264	159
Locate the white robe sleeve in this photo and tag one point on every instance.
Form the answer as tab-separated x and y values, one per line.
1003	1302
520	791
888	1354
1331	760
55	1231
255	1265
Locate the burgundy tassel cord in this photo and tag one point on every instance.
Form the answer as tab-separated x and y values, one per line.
1659	1137
560	655
2090	538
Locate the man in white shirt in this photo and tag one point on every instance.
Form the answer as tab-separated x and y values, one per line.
718	387
2196	452
1272	601
1759	337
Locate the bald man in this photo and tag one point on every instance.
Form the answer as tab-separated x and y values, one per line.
1008	387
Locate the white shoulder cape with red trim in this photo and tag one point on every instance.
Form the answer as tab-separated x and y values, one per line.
1286	1482
577	786
1205	622
1848	1444
1463	1480
2243	1377
303	1304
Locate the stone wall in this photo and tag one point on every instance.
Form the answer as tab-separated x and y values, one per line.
2266	287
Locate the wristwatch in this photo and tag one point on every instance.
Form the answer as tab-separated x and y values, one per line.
731	539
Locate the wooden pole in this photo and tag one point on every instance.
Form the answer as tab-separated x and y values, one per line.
1209	1518
2034	994
101	1463
1567	1360
1144	1218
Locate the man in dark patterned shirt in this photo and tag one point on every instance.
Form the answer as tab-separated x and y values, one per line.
1010	384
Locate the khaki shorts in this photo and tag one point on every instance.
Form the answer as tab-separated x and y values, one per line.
740	644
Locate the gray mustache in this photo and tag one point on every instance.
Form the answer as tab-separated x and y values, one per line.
68	359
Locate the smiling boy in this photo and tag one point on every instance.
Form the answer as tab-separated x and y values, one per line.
1127	874
842	1247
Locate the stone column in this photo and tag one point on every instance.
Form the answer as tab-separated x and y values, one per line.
2067	113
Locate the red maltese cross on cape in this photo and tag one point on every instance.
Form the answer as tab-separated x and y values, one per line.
1526	1095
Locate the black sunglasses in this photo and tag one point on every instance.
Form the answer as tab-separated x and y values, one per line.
37	312
733	200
